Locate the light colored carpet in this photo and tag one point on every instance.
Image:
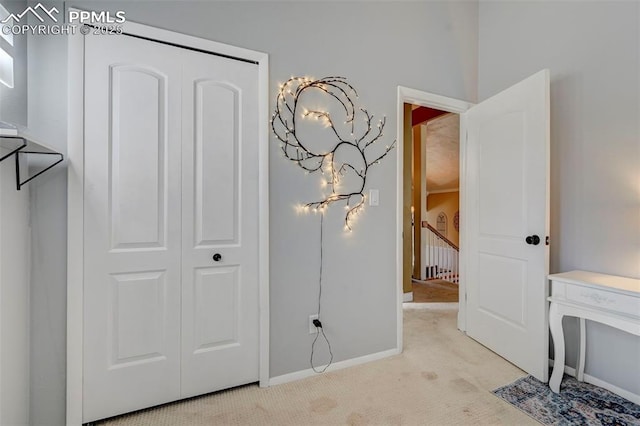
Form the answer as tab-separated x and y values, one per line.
441	378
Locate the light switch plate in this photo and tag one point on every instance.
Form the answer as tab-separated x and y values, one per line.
374	197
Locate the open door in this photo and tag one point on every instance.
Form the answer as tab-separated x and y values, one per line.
508	224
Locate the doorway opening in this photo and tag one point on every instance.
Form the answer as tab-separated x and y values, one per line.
431	187
404	254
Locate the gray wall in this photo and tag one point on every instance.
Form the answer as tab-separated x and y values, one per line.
14	249
593	52
47	123
430	46
14	297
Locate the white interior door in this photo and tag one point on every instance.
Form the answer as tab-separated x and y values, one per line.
132	226
171	166
220	224
508	201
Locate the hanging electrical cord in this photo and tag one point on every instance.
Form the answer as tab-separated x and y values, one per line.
317	322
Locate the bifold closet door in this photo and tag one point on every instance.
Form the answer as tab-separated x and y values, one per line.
132	235
219	224
171	224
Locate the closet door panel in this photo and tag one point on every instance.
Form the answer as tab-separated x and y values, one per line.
137	311
131	226
216	308
138	145
217	133
220	225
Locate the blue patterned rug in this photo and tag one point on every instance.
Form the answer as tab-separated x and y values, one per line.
578	403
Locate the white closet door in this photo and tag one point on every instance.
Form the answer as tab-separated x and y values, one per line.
132	225
219	218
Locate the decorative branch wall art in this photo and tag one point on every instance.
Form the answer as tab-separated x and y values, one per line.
321	129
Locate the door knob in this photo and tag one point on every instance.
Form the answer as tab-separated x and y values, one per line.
533	240
217	257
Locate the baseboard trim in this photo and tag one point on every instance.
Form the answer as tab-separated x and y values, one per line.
635	398
303	374
407	297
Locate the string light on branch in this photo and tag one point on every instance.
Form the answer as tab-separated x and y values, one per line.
360	140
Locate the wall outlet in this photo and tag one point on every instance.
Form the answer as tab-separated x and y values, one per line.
312	328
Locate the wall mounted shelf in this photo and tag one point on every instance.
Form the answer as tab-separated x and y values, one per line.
12	142
9	145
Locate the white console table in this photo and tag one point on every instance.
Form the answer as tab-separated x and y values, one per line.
608	299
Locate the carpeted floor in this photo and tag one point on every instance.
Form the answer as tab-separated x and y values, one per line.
441	378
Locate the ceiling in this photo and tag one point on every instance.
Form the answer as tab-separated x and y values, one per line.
443	153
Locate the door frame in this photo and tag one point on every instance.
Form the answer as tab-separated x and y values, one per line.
75	201
430	100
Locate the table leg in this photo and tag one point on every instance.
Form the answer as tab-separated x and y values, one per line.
555	325
583	351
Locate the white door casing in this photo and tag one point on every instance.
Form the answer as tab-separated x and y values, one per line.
171	178
507	189
443	103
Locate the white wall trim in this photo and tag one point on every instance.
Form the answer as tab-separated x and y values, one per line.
431	100
263	218
635	398
407	297
75	226
303	374
75	248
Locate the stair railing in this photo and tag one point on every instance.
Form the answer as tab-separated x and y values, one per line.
442	256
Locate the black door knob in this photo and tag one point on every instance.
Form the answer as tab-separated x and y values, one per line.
533	240
217	257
